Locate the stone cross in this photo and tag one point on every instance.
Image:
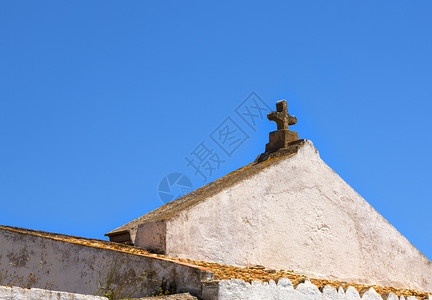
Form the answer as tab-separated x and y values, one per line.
281	116
282	137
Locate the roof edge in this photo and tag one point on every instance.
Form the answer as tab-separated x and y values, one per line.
174	207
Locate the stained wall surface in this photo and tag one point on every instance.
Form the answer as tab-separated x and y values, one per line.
33	261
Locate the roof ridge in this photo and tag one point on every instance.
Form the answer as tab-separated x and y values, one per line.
174	207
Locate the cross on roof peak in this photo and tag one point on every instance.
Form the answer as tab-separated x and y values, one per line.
281	115
282	137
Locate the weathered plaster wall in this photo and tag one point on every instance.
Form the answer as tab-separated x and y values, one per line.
284	290
152	236
18	293
33	261
299	214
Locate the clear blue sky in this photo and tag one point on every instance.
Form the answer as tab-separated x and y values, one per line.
99	100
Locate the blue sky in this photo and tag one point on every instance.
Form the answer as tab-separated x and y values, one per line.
100	100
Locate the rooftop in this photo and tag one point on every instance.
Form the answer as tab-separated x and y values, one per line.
175	207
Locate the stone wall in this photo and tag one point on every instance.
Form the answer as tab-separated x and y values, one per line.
237	289
33	261
18	293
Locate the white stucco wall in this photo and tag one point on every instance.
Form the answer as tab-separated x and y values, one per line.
18	293
237	289
299	214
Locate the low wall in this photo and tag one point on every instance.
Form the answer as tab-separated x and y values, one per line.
28	260
18	293
237	289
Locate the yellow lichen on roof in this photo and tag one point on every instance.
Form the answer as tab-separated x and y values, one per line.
173	208
220	271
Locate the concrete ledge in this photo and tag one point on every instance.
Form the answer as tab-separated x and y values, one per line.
240	290
18	293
